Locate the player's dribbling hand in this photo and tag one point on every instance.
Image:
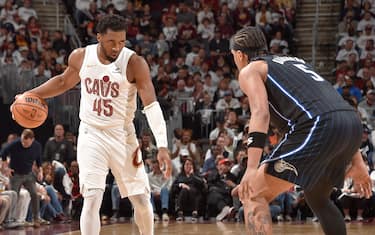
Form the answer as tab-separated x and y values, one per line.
165	162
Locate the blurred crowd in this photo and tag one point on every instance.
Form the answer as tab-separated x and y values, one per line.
186	44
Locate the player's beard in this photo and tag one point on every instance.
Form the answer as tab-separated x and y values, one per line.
109	58
106	56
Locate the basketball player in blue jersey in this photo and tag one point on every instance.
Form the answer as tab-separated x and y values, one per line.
110	76
323	133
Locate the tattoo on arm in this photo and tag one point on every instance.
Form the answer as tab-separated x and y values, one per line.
256	225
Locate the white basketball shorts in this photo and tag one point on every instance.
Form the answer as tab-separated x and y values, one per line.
99	150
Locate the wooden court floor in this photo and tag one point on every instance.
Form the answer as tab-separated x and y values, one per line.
220	228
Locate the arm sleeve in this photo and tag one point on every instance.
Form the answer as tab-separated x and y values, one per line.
157	124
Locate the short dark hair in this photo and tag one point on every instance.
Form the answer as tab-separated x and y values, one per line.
27	134
249	40
113	22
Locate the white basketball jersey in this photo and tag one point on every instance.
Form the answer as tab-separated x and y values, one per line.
107	98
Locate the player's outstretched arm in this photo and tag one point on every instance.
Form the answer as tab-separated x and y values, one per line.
65	81
139	72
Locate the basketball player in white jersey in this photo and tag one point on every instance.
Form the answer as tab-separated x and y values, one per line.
110	76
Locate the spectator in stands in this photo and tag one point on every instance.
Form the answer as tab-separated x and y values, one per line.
350	90
17	215
263	17
198	91
60	42
160	188
348	23
367	19
348	49
148	149
369	85
11	137
366	35
205	102
220	184
188	189
282	44
367	108
77	199
33	28
285	201
129	12
222	89
7	12
4	207
8	215
368	52
187	36
209	86
40	75
58	148
227	102
205	13
367	147
51	208
180	95
244	111
226	29
350	198
238	169
286	30
23	152
212	156
367	5
218	45
351	6
170	31
26	11
220	127
161	46
301	207
185	15
145	21
186	143
242	16
233	123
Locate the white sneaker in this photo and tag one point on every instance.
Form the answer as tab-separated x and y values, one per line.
156	217
165	217
180	216
280	218
315	219
224	212
194	217
359	218
347	218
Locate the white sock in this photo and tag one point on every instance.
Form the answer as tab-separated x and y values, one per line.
90	219
143	213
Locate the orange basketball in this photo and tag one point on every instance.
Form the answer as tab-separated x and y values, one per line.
29	110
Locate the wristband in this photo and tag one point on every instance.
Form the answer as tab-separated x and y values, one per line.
256	140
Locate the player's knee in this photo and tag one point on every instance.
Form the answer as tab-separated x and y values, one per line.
92	198
141	201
